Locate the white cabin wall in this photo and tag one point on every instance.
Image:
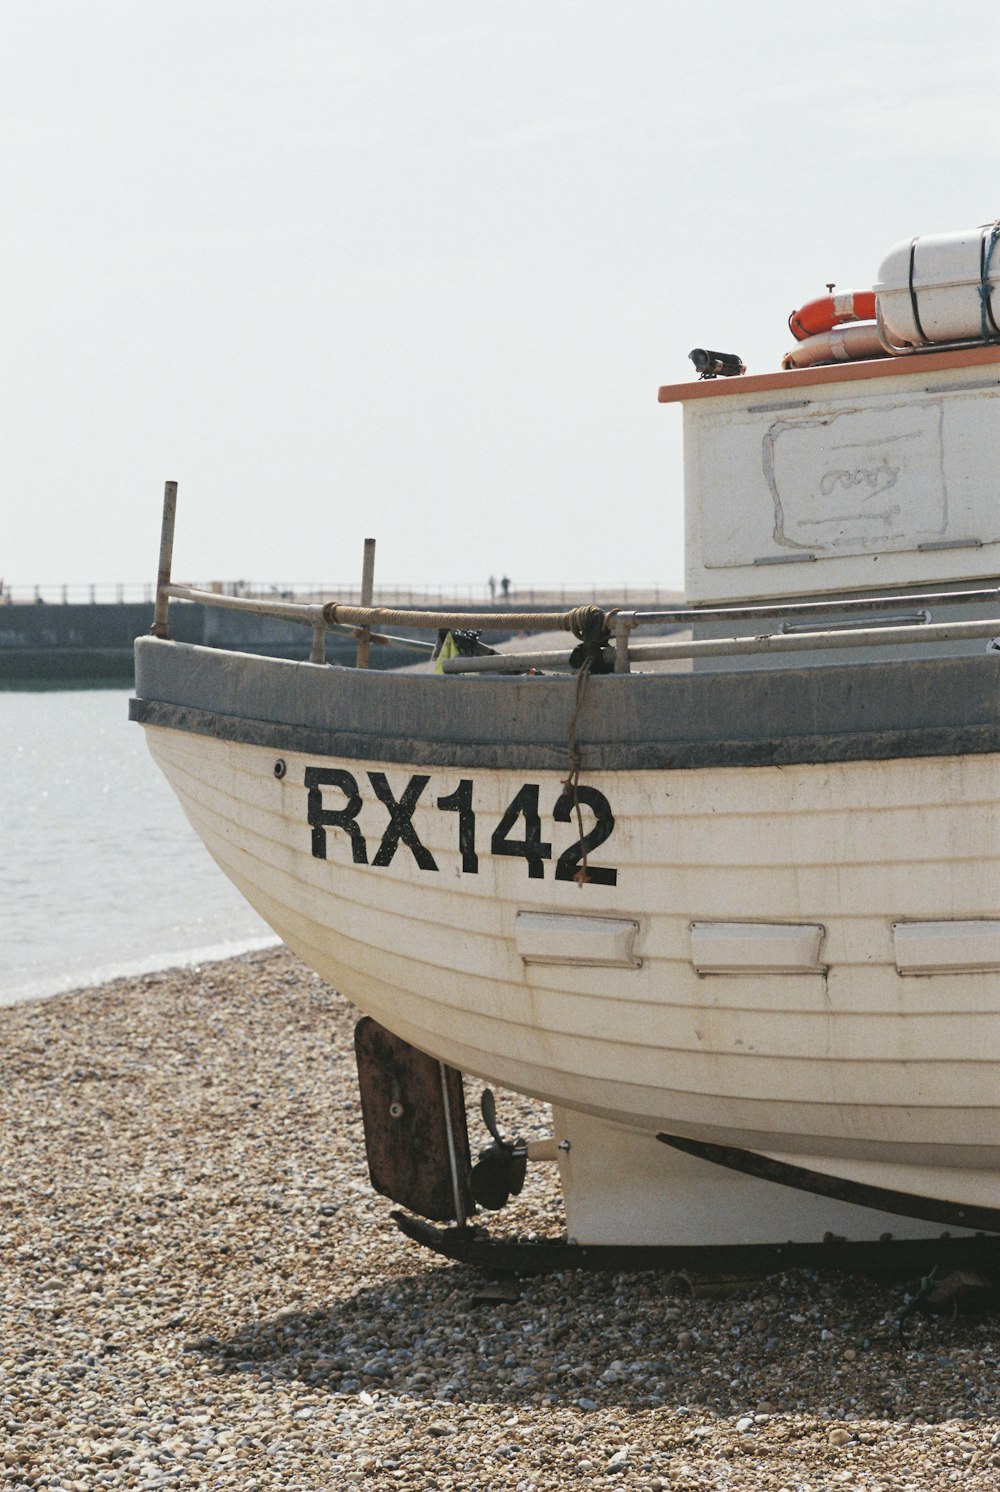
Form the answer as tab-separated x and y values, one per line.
932	435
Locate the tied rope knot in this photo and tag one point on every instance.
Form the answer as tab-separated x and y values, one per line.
592	627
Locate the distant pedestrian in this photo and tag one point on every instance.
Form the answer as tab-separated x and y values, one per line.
505	588
492	583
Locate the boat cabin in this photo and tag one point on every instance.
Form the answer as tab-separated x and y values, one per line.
875	477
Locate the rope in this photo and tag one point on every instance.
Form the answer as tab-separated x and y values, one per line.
572	782
913	295
985	288
517	621
593	627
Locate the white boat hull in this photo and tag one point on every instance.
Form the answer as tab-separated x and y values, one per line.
846	1065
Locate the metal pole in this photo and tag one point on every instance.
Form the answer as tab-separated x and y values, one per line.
367	591
720	647
682	614
456	1185
160	612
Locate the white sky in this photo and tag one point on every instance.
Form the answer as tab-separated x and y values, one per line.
416	268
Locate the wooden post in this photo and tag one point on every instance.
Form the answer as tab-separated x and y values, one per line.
317	653
160	628
367	591
622	629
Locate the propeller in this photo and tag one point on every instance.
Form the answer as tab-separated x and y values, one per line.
498	1174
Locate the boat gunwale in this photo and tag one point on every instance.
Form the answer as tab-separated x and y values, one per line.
876	710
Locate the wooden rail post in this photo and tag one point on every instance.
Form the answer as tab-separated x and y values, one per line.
367	591
623	626
317	653
160	612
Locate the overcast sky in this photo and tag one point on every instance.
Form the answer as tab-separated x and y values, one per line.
416	269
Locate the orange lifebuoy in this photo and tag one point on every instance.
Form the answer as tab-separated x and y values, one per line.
828	311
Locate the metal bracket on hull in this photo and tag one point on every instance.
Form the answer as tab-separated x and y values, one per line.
882	1199
471	1245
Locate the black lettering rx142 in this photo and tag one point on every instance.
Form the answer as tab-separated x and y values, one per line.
334	800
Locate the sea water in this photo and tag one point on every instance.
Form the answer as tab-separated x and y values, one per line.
100	872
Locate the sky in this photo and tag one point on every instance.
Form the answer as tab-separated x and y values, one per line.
415	269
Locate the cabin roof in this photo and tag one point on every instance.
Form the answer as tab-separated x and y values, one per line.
797	378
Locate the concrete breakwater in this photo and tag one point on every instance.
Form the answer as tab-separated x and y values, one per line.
41	643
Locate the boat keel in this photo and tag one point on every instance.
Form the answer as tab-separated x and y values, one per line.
911	1256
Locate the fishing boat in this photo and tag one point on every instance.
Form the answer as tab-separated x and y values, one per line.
738	923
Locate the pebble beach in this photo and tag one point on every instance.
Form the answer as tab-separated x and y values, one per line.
200	1289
